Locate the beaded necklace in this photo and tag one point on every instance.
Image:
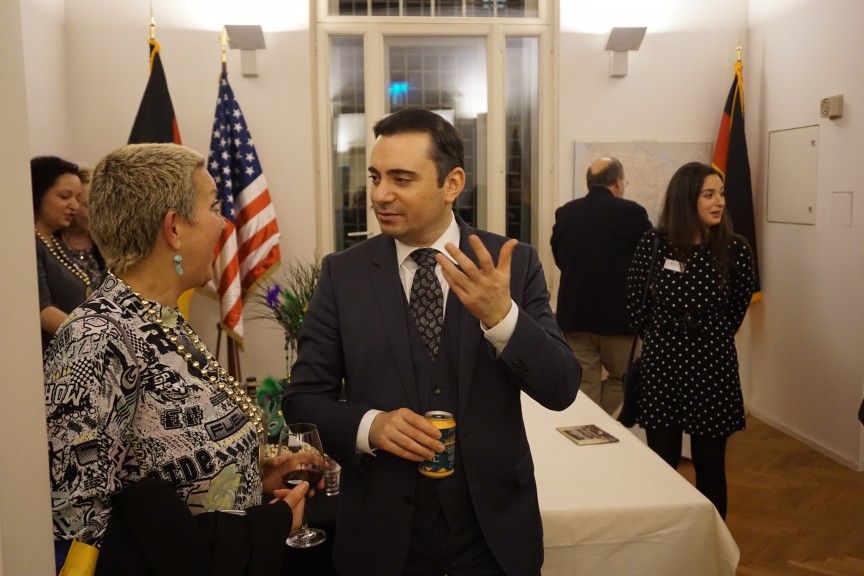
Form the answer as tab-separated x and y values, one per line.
209	370
61	257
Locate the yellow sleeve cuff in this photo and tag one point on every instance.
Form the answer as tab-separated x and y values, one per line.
81	560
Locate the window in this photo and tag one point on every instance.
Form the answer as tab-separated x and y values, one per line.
481	70
432	8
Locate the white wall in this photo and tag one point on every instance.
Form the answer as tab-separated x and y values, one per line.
47	75
808	331
675	88
25	515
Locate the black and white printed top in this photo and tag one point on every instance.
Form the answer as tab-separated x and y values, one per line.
123	404
690	366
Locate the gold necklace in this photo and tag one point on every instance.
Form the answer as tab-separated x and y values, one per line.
210	371
61	257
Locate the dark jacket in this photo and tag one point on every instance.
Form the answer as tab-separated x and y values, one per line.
58	286
153	533
593	240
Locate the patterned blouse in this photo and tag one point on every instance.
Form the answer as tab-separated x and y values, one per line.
122	404
689	363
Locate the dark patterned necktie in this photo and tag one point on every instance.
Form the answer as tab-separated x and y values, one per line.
426	300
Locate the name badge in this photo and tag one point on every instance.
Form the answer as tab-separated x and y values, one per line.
673	265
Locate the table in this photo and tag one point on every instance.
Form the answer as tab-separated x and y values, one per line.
618	509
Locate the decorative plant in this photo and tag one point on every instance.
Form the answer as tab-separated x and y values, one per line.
285	297
269	397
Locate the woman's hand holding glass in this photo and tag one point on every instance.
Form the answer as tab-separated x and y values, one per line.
272	470
296	500
302	440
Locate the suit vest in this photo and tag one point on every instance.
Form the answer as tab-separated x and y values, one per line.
437	389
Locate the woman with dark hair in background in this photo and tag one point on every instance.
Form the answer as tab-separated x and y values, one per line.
77	240
700	289
56	187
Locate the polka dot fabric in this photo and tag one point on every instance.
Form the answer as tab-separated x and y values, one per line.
690	365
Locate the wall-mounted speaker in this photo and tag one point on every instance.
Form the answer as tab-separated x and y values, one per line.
831	107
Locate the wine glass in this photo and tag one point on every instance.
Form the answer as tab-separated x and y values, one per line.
299	439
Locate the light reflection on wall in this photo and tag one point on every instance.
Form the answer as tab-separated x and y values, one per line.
597	17
272	15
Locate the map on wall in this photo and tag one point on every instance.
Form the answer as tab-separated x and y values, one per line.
647	165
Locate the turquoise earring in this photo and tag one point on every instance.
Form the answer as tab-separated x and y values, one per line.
178	261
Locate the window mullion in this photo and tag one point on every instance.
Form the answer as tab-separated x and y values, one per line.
375	98
496	135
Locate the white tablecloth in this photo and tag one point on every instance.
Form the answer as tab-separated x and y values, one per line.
618	509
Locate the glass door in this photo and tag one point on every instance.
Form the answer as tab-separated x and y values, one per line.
483	78
348	137
448	76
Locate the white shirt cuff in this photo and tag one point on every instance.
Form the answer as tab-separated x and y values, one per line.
362	442
499	335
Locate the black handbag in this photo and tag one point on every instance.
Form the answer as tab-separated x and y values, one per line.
631	383
631	380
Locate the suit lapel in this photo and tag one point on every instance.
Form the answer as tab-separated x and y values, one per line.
389	298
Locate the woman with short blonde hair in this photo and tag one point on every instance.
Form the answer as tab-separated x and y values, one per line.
143	423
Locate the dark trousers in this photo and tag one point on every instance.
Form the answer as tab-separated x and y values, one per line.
61	550
709	461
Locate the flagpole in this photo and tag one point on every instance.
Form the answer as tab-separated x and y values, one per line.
152	23
233	349
739	44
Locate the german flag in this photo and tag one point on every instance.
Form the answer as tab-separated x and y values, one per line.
731	159
155	121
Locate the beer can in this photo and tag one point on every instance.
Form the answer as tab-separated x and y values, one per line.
442	463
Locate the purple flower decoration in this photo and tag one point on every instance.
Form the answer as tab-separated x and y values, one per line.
273	295
286	301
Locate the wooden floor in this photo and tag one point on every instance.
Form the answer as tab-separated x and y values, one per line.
792	510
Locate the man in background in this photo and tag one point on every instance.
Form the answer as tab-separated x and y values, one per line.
593	240
431	314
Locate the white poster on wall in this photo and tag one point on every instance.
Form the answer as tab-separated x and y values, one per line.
648	166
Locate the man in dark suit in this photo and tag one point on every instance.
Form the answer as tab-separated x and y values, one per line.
498	337
593	240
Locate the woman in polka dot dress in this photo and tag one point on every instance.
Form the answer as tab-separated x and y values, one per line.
700	289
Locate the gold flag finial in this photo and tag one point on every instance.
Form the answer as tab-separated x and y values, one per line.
223	39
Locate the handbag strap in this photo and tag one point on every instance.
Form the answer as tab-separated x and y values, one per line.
644	296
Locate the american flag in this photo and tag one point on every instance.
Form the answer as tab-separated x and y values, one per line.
249	245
